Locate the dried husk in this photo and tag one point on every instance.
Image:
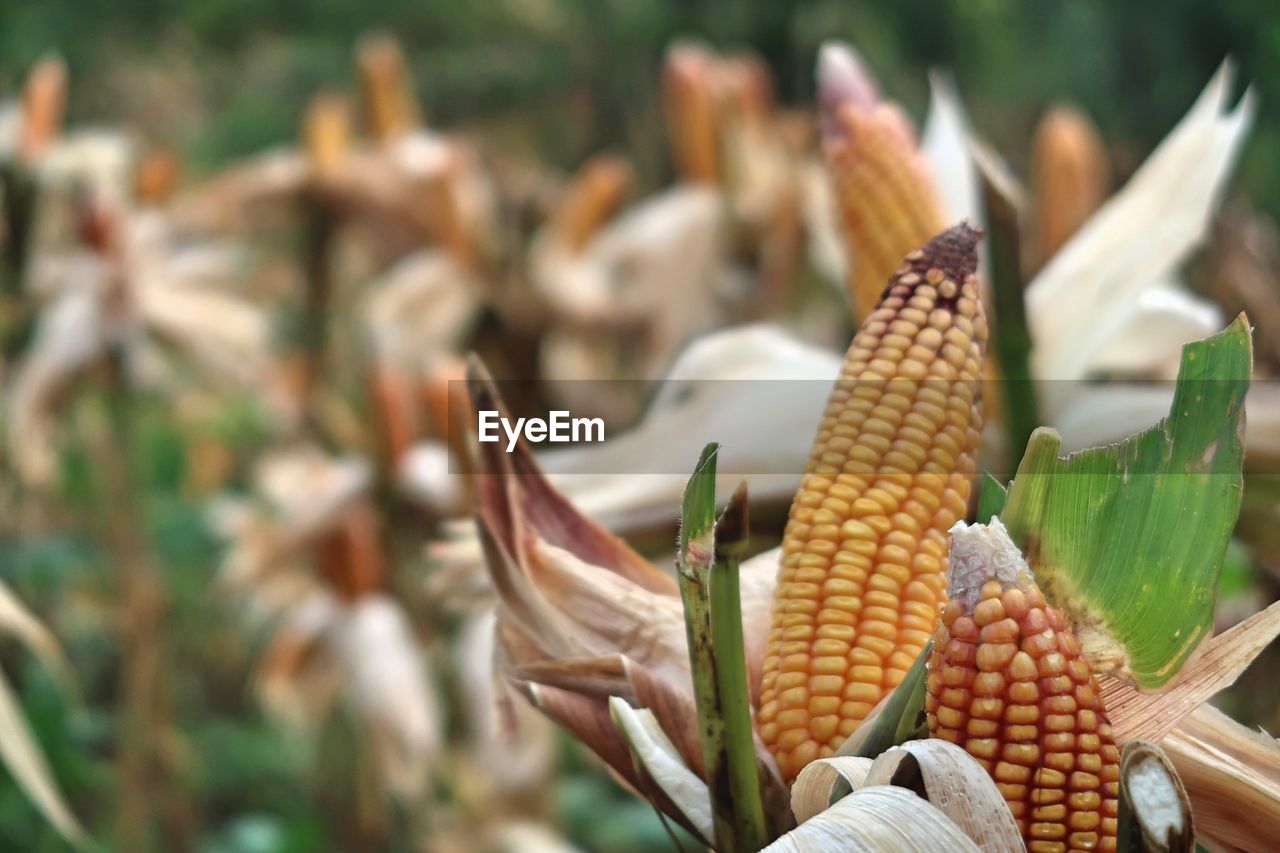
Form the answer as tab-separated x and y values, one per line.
878	819
958	786
812	791
654	752
1218	663
1232	775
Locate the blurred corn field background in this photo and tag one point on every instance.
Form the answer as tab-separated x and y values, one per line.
249	246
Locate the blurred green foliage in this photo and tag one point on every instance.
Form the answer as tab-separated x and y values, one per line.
564	78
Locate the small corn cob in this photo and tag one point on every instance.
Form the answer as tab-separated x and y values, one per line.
157	176
1069	176
861	580
1007	682
887	201
690	106
591	198
386	89
44	97
326	134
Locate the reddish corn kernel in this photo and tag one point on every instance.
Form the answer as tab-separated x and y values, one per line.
1033	717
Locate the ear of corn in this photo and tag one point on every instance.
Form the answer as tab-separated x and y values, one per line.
44	97
1007	681
326	134
861	580
592	197
691	113
386	89
887	202
1069	176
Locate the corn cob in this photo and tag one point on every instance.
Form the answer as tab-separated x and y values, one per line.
861	580
1007	682
887	202
326	134
44	97
1069	176
386	89
692	122
591	198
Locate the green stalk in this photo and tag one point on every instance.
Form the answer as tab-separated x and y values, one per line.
693	568
731	537
1012	343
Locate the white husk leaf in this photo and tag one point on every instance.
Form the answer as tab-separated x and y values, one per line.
17	620
660	760
1138	238
959	787
387	681
604	613
811	792
880	819
421	308
945	144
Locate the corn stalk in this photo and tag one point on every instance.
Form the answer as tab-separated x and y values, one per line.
707	568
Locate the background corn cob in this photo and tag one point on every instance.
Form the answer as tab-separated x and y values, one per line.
386	89
689	104
1069	177
1008	683
887	201
591	198
864	552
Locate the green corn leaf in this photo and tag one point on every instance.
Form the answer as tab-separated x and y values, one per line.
1128	539
991	500
698	511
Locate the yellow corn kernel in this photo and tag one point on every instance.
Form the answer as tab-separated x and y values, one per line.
887	201
1058	764
880	617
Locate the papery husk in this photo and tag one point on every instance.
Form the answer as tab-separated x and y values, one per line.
1083	297
573	588
1232	775
1217	664
658	758
1155	814
812	790
589	720
672	706
946	776
419	311
879	819
389	684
